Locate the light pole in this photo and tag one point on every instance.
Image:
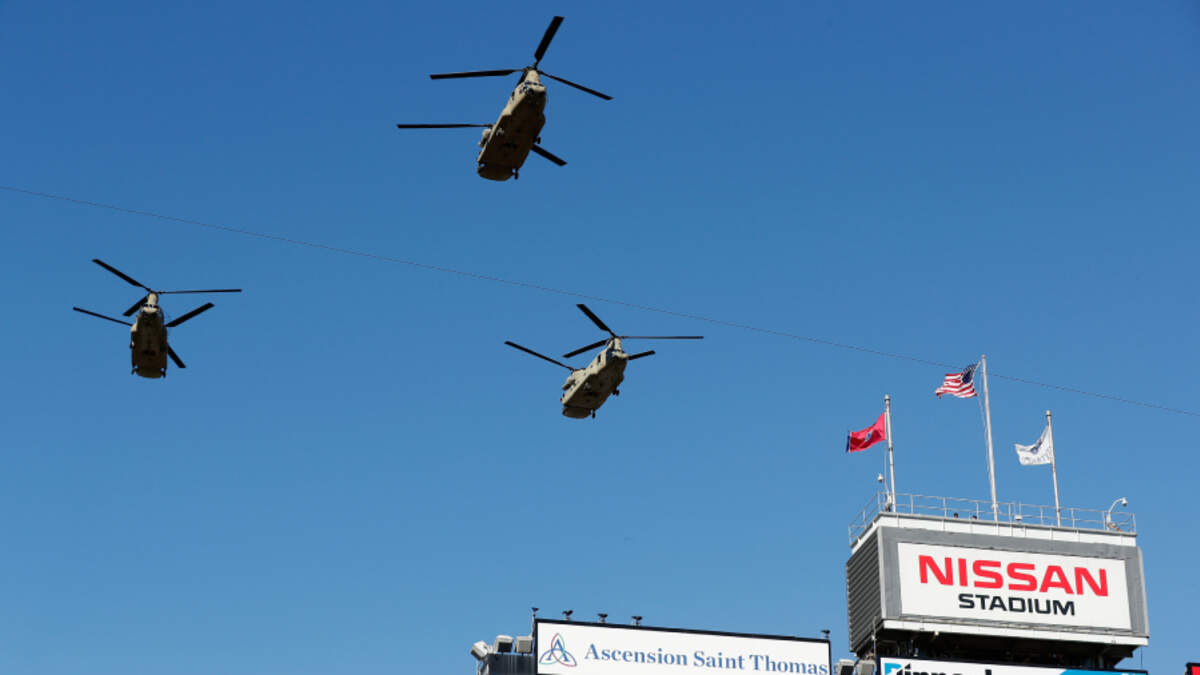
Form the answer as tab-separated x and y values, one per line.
1108	523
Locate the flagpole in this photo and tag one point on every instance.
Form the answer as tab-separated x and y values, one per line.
1053	468
987	421
887	411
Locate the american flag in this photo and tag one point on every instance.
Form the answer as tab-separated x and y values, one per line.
959	385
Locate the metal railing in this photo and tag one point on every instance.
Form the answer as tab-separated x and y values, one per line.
1009	513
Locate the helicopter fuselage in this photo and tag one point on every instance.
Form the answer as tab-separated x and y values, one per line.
589	387
148	343
148	348
508	142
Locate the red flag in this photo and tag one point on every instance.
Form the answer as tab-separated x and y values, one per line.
861	440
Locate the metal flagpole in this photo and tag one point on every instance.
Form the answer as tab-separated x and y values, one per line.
1053	467
987	421
887	413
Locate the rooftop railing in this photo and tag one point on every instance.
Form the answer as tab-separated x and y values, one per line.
1010	513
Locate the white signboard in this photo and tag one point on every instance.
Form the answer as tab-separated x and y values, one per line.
892	666
1027	588
571	648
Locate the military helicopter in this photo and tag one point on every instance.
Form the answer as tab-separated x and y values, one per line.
148	334
587	388
507	143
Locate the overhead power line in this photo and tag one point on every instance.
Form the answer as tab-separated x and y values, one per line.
586	296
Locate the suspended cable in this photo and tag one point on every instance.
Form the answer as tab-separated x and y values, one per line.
585	296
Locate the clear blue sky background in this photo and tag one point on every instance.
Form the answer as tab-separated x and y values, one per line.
355	475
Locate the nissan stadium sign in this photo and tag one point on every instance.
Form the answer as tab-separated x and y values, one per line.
574	648
1034	588
893	666
921	576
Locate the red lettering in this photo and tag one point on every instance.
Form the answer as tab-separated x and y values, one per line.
1015	572
985	573
1100	589
982	568
927	564
1055	578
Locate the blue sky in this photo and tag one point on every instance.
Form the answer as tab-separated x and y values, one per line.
355	475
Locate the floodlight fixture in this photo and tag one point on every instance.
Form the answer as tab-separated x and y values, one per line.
479	650
1108	521
637	619
503	644
567	614
864	667
523	644
603	617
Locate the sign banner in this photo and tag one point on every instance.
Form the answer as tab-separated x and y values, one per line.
1019	587
573	648
892	666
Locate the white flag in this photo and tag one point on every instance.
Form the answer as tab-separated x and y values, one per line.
1041	452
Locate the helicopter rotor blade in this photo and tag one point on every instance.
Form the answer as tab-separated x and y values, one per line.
210	290
540	356
662	337
546	38
202	308
638	356
580	87
101	316
595	319
440	126
474	73
121	274
590	347
548	155
136	306
175	357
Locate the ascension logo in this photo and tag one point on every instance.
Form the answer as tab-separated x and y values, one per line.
557	653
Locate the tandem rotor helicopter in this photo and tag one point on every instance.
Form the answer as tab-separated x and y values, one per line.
587	388
507	143
148	334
